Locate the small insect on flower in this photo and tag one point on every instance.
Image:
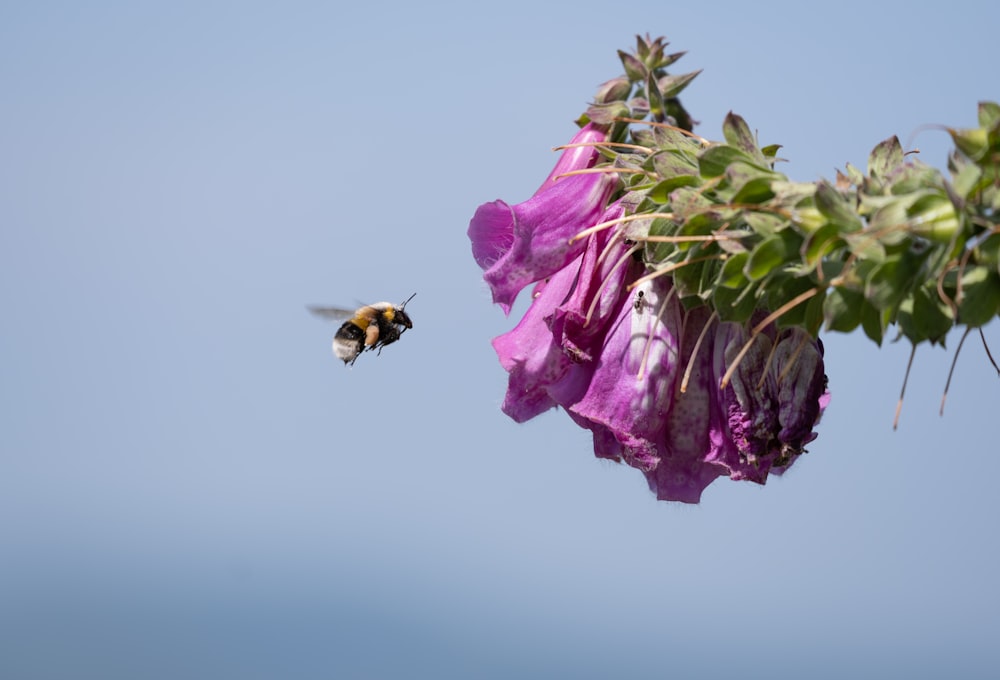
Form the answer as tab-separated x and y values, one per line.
368	327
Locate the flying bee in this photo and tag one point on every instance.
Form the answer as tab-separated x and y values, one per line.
368	327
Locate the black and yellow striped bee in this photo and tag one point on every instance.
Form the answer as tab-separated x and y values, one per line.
368	327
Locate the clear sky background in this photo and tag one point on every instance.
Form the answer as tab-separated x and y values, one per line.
192	486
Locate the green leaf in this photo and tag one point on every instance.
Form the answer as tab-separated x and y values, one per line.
770	151
750	183
714	160
987	253
606	114
671	86
891	280
814	313
855	176
687	279
836	207
865	246
634	69
670	139
989	114
686	201
669	59
980	300
874	322
784	291
732	275
885	157
966	179
654	96
734	304
821	243
668	164
923	316
661	192
755	191
933	216
769	255
973	142
764	223
737	133
842	309
659	251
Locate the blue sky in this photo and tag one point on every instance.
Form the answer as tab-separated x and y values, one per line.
192	486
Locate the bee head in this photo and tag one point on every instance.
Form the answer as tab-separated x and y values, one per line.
401	317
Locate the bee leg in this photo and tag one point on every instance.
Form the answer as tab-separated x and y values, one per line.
371	335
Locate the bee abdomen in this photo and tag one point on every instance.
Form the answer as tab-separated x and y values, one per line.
348	342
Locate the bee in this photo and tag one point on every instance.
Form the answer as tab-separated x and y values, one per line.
368	327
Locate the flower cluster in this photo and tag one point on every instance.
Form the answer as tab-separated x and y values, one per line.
679	285
622	355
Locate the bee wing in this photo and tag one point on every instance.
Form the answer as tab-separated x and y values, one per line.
331	313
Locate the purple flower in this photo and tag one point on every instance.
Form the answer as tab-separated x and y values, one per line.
518	245
560	330
774	399
614	354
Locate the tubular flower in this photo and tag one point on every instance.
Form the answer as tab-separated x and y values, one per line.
518	245
624	331
555	333
614	359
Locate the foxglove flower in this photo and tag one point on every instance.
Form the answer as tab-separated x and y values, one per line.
518	245
561	330
639	359
613	355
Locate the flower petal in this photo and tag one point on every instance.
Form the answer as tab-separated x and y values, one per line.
683	473
517	245
530	353
631	391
